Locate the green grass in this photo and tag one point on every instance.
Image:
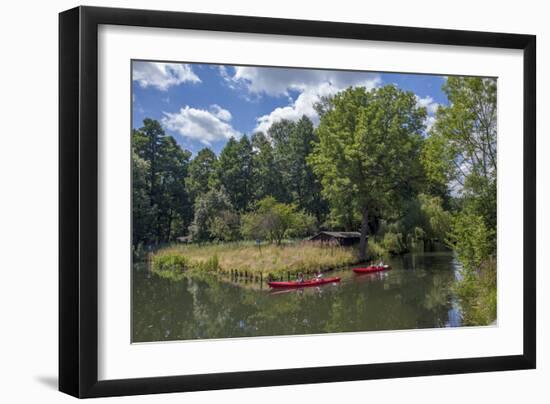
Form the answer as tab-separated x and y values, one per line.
248	258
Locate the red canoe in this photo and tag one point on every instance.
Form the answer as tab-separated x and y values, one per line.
372	268
309	282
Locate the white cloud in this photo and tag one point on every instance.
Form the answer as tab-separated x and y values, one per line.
428	103
275	81
162	75
310	84
429	122
220	112
296	109
199	124
431	107
304	103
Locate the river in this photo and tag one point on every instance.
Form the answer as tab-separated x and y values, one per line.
415	294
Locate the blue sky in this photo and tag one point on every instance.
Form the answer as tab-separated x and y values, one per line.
203	105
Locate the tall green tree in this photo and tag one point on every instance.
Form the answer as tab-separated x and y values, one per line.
165	164
280	133
234	172
369	148
267	176
461	153
142	214
175	209
292	144
201	174
303	183
461	149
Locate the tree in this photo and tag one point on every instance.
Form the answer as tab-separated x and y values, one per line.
214	217
426	220
304	185
174	204
201	173
472	240
461	149
225	226
165	165
368	149
460	153
147	142
279	133
275	221
292	144
234	172
142	214
267	176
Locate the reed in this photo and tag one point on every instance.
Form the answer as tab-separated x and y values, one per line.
253	260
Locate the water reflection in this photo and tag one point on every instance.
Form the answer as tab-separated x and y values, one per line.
414	294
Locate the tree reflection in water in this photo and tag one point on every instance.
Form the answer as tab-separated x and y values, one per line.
414	294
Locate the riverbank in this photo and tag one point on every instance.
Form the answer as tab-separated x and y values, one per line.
415	294
252	261
477	291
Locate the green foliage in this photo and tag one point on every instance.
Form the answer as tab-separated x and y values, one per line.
476	248
293	142
174	265
225	226
461	149
472	240
143	215
477	292
274	221
266	171
214	217
436	221
424	220
159	171
393	243
461	152
201	173
212	264
234	172
367	155
170	265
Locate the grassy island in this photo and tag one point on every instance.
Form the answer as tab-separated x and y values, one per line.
248	259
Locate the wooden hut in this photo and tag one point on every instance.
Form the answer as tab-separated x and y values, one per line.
343	238
184	239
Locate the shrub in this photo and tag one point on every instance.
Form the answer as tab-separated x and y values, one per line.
473	241
477	292
393	243
164	263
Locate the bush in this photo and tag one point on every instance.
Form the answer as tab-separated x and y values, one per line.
477	292
393	243
375	250
473	241
165	263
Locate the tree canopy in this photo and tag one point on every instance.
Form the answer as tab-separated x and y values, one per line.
368	149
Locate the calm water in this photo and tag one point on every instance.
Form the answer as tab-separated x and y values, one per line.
414	294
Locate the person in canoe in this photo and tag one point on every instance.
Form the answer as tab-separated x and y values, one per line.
318	275
300	278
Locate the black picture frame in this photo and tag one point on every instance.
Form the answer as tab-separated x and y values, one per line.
78	201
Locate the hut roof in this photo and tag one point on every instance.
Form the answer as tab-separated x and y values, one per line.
341	234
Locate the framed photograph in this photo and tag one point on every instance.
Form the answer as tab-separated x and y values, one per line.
251	201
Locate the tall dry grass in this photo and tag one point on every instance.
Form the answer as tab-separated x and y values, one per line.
267	259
